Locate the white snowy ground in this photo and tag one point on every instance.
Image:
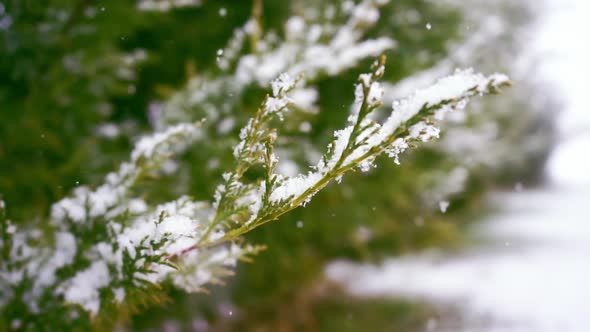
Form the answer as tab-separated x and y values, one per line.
536	275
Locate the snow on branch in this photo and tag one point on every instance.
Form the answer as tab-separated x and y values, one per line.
245	206
147	156
412	120
310	47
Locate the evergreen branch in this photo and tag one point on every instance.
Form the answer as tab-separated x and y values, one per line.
410	122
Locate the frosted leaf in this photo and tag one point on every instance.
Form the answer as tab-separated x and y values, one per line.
62	255
295	186
424	132
72	208
375	94
398	147
274	105
358	101
366	165
459	86
203	267
282	84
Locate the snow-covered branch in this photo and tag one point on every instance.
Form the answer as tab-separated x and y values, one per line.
313	45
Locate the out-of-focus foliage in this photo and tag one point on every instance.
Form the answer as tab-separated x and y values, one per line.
81	81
